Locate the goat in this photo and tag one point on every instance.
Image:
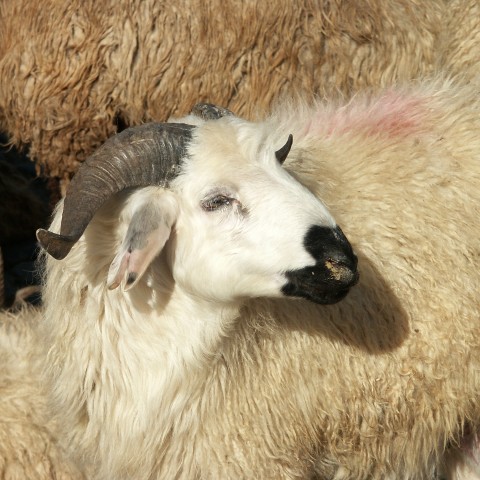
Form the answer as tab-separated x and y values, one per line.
230	223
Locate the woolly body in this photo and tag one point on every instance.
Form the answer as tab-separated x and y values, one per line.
64	90
28	448
377	386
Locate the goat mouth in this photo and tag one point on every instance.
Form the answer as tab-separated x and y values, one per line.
325	299
315	295
323	293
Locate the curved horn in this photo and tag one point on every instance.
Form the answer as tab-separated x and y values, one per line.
209	111
148	154
284	151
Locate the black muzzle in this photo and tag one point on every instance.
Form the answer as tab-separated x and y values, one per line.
334	272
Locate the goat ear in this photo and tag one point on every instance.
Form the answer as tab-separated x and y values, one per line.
147	233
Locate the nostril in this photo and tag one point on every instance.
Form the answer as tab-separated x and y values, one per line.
343	272
335	260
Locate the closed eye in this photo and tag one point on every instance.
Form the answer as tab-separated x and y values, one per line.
217	202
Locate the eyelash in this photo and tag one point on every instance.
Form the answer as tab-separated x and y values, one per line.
217	202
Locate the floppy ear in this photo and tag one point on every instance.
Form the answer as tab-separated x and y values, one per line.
147	233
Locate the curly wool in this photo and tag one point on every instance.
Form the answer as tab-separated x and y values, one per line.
72	73
381	385
28	448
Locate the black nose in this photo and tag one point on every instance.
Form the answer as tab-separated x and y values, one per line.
330	245
334	272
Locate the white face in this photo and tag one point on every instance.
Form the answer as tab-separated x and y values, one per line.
243	221
235	224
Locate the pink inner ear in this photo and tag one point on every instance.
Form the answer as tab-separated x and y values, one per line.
117	269
132	263
393	115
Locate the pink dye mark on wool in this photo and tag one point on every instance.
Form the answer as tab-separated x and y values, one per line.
391	115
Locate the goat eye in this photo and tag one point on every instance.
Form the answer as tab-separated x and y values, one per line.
216	202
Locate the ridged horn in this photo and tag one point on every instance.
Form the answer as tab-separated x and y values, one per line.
148	154
209	111
282	154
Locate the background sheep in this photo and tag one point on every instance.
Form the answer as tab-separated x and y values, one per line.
378	385
28	449
458	48
74	73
